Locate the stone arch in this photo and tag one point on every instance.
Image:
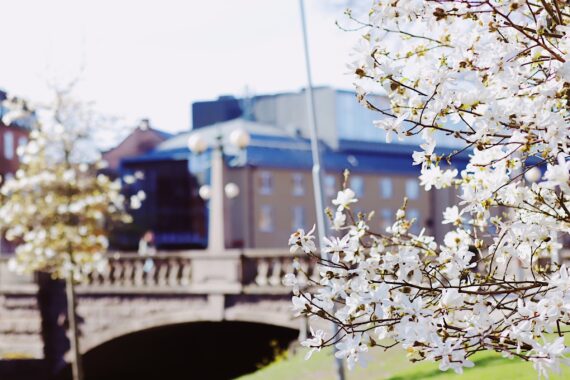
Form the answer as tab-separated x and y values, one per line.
170	349
97	338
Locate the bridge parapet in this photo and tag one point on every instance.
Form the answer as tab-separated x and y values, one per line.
264	270
235	271
133	293
133	272
256	271
180	287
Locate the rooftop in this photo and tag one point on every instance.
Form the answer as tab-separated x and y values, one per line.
273	147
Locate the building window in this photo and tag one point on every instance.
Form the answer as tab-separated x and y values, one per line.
298	218
265	183
9	145
412	189
298	184
22	141
386	188
387	217
266	218
357	185
414	213
330	185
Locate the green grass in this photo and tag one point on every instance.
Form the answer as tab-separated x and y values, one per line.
393	365
488	365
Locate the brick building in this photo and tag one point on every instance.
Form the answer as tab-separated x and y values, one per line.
11	136
141	140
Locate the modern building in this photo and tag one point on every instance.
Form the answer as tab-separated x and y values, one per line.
273	173
339	116
224	108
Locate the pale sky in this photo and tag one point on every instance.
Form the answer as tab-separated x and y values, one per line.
150	58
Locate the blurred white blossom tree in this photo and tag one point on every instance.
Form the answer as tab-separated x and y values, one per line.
494	77
57	208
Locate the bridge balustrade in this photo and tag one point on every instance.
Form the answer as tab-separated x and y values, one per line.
256	271
264	270
136	272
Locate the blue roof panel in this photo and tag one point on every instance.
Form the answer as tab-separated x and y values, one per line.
294	153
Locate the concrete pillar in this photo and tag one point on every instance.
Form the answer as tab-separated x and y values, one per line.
216	223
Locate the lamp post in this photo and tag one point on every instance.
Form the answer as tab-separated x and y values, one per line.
239	138
317	172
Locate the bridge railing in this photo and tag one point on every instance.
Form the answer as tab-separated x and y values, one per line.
249	271
255	271
264	270
133	271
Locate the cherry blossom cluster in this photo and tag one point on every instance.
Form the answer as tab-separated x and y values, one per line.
492	80
58	206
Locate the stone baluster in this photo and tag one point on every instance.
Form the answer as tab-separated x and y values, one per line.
106	274
262	272
88	279
127	279
138	278
186	272
173	270
150	281
275	279
287	268
99	277
162	272
304	272
117	273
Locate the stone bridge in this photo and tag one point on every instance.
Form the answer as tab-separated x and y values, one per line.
181	287
212	285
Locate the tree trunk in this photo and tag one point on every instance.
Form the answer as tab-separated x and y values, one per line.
76	363
52	304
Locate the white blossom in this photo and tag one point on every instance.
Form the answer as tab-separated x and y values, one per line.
482	88
344	198
302	241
